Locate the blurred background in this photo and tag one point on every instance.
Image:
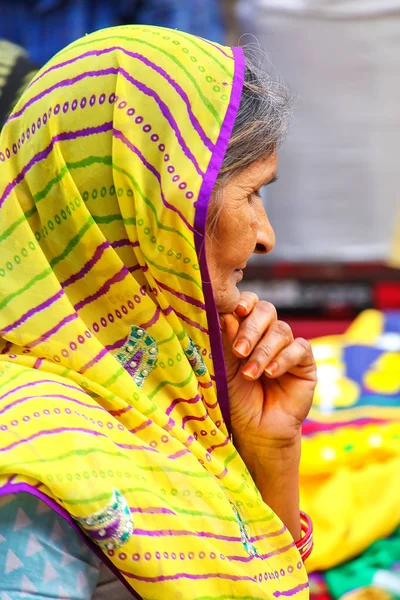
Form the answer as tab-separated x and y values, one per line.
336	210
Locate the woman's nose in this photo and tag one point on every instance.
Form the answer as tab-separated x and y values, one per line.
265	233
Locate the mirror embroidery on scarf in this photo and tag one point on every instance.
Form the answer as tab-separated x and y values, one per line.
244	536
195	359
111	527
138	355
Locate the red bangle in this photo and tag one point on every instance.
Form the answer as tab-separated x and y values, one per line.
306	542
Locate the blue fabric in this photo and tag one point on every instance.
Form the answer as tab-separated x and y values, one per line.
41	556
43	27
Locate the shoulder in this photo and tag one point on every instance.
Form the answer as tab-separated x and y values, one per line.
43	554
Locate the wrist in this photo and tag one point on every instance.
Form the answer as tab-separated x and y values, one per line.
276	451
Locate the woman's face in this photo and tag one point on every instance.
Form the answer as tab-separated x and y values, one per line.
242	228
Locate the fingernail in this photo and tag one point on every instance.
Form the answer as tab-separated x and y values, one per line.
242	347
242	307
251	370
271	368
222	322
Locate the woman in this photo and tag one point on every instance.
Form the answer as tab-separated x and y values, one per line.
172	455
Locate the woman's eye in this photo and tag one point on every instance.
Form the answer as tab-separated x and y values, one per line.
255	194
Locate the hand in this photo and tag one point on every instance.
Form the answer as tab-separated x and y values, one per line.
271	377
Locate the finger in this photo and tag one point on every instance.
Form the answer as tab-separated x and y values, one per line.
247	302
297	359
253	328
229	328
277	338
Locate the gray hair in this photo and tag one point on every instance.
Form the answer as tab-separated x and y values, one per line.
260	127
262	120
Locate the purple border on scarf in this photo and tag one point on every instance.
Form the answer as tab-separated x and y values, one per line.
29	489
199	236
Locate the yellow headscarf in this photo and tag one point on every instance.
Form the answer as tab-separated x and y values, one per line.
113	400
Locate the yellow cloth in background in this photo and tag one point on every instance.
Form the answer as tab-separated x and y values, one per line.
350	467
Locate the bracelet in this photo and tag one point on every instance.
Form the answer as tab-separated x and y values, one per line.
306	543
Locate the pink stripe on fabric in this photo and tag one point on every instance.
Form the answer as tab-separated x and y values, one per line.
177	401
141	426
222	475
61	137
117	278
196	125
179	454
188	418
120	136
39	382
59	430
264	536
292	592
247	559
224	443
33	311
187	576
6	348
153	510
217	48
59	396
191	322
87	266
94	360
185	533
153	320
165	111
121	411
181	295
124	242
52	331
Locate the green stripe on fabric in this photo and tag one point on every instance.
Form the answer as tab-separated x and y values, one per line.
14	225
201	474
207	103
106	160
204	51
193	513
238	490
72	243
26	287
172	272
164	341
84	452
151	205
150	411
85	162
114	377
231	457
43	193
15	376
164	383
260	520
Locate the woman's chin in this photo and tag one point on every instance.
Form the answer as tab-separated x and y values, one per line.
227	302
